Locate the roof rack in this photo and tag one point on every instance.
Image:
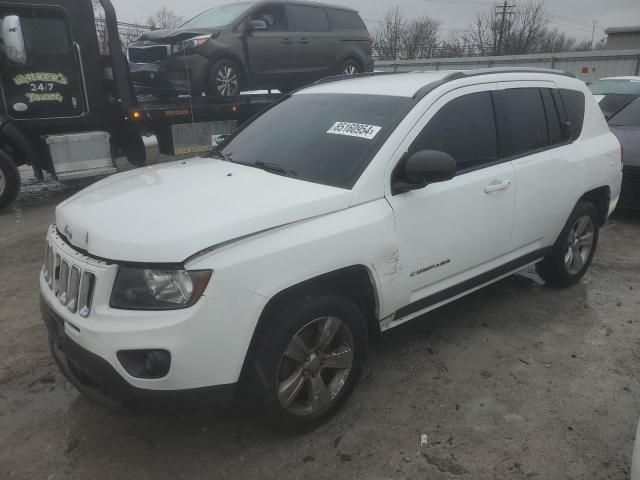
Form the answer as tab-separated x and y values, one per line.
489	71
458	74
453	75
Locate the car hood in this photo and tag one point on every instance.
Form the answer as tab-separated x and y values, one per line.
169	212
629	138
171	36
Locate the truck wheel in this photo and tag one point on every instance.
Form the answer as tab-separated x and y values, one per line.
9	180
574	249
308	360
225	80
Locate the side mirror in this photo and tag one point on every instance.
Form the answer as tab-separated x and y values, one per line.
217	140
257	25
422	168
14	46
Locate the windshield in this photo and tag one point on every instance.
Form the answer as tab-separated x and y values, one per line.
217	16
321	138
629	116
618	87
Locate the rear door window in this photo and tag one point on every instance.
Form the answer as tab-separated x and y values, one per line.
526	121
308	19
345	20
465	128
573	101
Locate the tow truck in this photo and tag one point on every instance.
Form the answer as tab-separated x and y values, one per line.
69	109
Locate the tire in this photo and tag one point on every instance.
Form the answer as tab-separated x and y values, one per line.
283	383
350	67
225	72
288	88
9	180
573	252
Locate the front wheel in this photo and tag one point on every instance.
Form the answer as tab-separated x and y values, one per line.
574	249
225	80
309	357
9	180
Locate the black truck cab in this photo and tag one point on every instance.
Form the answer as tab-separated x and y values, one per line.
67	108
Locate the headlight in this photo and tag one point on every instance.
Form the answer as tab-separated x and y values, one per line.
191	44
151	289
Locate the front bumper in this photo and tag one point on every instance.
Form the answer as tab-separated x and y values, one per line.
207	342
98	380
182	75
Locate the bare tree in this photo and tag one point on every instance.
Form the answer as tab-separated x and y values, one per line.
455	46
389	33
528	29
556	41
419	38
524	30
164	19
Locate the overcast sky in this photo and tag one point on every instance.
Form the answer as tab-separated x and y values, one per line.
574	17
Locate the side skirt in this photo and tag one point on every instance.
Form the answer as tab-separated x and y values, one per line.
455	292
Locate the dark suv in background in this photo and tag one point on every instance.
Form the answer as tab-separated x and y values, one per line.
251	45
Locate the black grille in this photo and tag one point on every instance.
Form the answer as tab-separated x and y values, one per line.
630	187
147	54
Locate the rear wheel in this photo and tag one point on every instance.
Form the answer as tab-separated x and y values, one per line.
574	250
308	359
9	180
350	67
225	80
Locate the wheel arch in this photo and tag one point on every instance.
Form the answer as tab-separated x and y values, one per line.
355	282
600	197
16	146
351	56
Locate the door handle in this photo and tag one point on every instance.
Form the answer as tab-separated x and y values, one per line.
497	185
303	40
287	41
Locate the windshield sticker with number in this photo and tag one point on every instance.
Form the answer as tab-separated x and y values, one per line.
359	130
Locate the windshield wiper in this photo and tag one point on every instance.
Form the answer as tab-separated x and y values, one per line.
275	168
221	155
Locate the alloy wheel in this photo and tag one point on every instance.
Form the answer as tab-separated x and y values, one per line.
227	81
315	366
350	69
579	244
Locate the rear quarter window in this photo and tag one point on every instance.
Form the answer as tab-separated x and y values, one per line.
345	20
574	101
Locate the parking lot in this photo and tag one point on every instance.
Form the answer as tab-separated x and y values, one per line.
515	381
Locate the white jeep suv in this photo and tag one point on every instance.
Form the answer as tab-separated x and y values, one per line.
346	209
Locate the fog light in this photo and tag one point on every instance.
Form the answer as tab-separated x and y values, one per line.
148	364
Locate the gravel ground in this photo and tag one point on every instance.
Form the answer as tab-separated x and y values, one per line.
515	381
